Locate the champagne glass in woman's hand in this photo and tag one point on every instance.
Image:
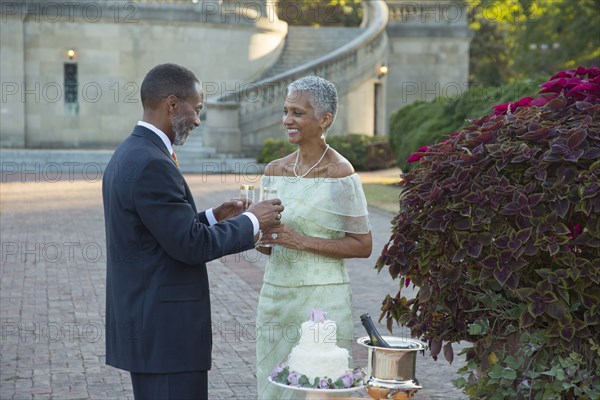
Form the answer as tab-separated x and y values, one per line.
268	193
247	195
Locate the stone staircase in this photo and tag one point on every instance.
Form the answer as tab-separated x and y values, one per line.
52	165
196	158
302	44
305	43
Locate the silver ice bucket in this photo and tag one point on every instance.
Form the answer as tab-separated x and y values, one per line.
391	371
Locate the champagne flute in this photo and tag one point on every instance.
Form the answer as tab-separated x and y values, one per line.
268	193
247	195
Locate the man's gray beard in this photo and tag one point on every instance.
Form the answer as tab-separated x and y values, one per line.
182	132
180	138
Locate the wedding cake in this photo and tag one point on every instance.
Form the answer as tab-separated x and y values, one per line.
317	353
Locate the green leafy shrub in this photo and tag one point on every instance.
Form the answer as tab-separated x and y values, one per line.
499	228
364	152
423	123
273	149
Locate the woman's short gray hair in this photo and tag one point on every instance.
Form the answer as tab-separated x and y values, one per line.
323	95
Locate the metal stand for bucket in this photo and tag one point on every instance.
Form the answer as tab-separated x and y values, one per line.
391	371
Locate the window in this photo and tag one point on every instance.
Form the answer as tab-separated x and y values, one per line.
71	83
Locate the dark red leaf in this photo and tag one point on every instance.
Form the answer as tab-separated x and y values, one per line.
557	310
567	333
489	262
433	225
511	209
557	103
463	224
526	320
448	352
513	282
536	309
502	274
459	255
584	86
435	348
576	137
591	153
475	250
518	264
524	234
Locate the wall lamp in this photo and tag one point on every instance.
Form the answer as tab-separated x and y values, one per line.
382	70
71	54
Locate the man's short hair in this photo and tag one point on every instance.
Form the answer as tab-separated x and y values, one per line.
167	79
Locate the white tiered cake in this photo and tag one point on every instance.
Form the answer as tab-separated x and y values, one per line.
317	353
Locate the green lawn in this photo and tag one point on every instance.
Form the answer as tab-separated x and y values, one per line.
381	196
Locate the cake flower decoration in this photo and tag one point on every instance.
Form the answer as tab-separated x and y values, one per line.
277	370
323	383
351	378
294	378
318	315
347	379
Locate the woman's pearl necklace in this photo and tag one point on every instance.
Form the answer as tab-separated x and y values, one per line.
311	168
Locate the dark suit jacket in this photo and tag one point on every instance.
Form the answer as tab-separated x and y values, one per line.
157	298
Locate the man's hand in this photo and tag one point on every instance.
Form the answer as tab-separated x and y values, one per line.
229	209
268	213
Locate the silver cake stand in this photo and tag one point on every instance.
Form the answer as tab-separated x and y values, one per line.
317	394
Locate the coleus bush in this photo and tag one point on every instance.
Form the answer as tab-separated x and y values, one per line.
499	229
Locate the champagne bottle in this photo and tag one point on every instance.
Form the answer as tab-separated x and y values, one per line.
376	339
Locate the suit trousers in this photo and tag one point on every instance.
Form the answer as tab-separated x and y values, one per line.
176	386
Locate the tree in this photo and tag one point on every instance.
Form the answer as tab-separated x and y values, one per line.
517	39
560	34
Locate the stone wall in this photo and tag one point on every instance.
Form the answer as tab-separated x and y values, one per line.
12	76
429	51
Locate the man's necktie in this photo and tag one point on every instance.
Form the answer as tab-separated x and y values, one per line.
175	158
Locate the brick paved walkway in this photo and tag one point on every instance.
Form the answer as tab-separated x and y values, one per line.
52	296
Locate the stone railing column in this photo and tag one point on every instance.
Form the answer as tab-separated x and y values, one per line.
223	127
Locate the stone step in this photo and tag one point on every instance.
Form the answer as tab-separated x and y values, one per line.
304	44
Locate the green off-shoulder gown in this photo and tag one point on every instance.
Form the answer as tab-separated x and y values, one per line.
297	282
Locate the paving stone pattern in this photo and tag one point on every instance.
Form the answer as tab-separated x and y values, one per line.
52	293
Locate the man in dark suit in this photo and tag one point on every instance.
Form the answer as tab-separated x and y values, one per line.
158	323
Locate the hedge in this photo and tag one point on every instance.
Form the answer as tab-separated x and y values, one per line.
364	152
425	123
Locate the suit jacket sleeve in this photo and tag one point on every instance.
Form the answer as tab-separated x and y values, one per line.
167	212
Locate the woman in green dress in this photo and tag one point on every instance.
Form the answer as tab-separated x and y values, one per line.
325	221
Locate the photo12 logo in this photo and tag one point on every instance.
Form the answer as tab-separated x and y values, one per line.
52	252
70	11
50	172
50	332
54	92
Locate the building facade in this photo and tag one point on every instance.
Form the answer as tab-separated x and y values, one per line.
71	70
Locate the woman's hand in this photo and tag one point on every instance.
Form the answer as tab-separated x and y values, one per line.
282	235
350	246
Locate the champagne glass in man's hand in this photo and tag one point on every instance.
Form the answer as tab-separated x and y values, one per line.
268	213
247	195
